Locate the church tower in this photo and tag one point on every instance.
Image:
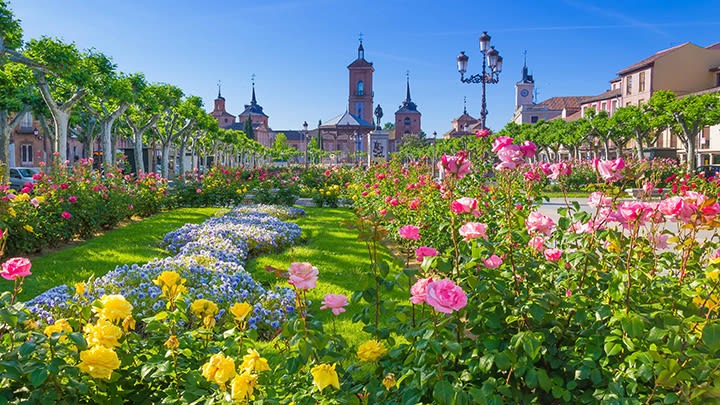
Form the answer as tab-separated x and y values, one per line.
407	117
524	88
360	101
224	118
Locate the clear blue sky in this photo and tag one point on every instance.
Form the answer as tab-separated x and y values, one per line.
299	50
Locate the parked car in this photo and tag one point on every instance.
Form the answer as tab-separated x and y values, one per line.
708	171
21	175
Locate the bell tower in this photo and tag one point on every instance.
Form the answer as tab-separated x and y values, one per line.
524	88
360	100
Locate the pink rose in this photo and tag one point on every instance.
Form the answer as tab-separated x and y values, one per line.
335	302
501	142
473	230
537	243
418	291
634	211
483	133
409	232
559	170
303	275
492	262
382	211
511	154
423	252
661	241
66	215
16	267
72	198
598	200
553	254
445	296
464	205
528	149
611	170
198	191
537	222
455	166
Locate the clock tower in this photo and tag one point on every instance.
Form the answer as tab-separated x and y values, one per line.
524	88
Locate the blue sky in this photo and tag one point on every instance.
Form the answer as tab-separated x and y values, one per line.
299	50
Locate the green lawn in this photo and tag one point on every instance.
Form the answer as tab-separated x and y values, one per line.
138	242
340	259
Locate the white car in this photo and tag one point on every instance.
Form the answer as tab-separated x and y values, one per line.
21	175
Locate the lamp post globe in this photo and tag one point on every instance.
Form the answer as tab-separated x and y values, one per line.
462	62
484	41
305	141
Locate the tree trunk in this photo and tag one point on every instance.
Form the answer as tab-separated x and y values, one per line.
153	169
165	159
60	114
181	169
691	158
639	147
106	134
138	151
606	146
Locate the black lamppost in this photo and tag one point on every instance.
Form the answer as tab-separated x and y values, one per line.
434	154
305	141
492	60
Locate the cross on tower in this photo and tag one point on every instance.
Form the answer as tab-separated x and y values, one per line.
252	78
360	37
218	84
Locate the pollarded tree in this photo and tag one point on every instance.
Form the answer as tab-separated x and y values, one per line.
643	127
145	112
64	87
608	129
84	125
111	94
173	123
686	117
15	101
10	31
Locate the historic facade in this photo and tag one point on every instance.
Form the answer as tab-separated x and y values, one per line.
254	111
407	117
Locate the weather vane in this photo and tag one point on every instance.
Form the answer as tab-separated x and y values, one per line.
253	79
360	37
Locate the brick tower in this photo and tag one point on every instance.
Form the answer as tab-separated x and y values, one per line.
360	102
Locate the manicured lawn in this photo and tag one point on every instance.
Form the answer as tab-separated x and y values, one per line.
570	194
340	259
138	242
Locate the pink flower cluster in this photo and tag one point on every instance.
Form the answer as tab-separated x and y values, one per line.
15	267
610	170
303	275
511	155
443	295
539	223
473	230
409	232
455	166
465	205
425	251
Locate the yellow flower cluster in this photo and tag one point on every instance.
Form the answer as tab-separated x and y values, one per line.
219	369
80	290
103	333
253	362
330	190
60	326
324	375
371	350
202	308
99	362
243	386
115	308
241	310
171	284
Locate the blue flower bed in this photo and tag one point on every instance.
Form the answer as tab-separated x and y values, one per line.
211	256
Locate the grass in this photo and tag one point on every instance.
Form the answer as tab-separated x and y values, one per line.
138	242
570	194
340	258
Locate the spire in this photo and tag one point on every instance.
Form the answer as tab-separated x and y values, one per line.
361	50
253	101
464	104
219	95
526	78
407	95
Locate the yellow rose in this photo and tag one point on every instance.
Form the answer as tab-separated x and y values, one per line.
40	199
209	322
128	323
324	375
172	342
60	326
240	310
29	228
171	284
389	381
115	308
104	333
12	212
219	369
243	385
371	350
30	324
80	289
202	308
22	197
253	362
99	362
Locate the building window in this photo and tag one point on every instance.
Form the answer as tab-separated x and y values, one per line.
641	82
717	79
360	88
26	156
628	85
226	120
26	122
534	119
603	106
614	105
640	102
359	110
407	121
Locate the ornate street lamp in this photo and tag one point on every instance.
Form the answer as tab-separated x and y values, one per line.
434	154
491	60
305	141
